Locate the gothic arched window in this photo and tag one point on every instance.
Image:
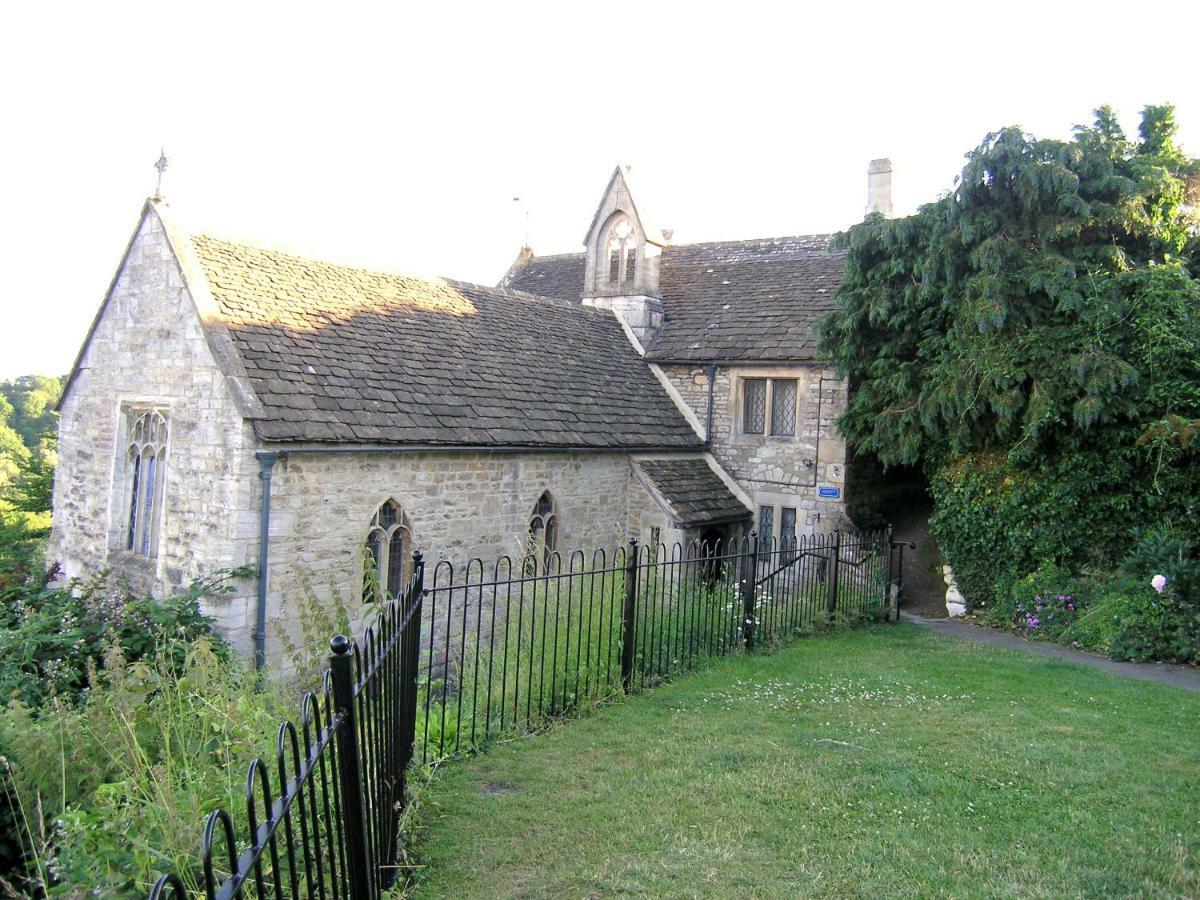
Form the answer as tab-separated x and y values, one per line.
387	540
543	529
622	252
145	458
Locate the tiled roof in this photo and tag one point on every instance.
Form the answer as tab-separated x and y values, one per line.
349	355
558	276
723	301
695	494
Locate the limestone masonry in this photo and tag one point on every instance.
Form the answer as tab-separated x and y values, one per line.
664	391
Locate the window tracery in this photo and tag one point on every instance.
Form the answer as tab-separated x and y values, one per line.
388	537
543	529
145	459
621	244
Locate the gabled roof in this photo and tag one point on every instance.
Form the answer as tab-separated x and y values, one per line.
621	178
735	301
349	355
691	491
558	276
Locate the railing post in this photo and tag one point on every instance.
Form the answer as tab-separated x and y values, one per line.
749	576
354	814
629	616
410	646
892	588
831	581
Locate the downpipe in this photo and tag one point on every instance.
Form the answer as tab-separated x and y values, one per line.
712	380
266	466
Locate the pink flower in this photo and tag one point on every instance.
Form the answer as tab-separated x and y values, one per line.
1159	582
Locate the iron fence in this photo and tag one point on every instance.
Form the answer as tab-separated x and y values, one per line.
469	652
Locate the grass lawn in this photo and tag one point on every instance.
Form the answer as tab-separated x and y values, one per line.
883	762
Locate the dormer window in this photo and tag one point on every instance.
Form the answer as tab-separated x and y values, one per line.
622	253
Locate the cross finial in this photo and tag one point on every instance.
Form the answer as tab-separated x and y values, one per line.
161	166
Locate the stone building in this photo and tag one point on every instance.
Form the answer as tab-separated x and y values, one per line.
729	329
234	405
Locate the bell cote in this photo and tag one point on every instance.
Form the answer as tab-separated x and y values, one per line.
623	254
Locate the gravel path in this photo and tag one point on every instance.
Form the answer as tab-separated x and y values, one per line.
1185	677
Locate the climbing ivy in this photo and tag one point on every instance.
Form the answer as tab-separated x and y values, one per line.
1036	334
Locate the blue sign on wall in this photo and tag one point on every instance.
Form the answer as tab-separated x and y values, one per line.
829	492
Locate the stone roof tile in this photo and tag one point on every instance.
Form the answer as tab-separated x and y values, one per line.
722	301
695	494
341	354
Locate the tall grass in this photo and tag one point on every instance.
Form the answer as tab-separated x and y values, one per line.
508	648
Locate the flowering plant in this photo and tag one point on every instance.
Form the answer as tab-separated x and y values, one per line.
1045	603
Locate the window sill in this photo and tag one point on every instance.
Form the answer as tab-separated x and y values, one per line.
747	439
140	571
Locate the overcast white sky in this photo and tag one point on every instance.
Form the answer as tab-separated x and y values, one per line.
398	139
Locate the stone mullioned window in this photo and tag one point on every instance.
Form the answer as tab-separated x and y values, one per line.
143	477
770	400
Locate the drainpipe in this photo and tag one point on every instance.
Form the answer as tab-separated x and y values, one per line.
712	380
817	450
266	463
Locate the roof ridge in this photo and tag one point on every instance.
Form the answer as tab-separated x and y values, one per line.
816	236
527	295
385	273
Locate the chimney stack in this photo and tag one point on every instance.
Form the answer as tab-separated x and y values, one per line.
879	187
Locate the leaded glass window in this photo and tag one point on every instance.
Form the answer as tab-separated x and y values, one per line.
754	405
622	252
787	532
543	530
145	454
766	525
769	406
783	407
388	537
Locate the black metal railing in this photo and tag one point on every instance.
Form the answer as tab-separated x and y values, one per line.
509	645
470	652
324	823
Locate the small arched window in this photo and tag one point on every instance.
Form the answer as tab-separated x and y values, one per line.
543	529
145	457
388	539
622	253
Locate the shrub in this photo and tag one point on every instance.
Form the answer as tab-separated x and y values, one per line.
50	636
995	521
1118	614
55	646
1043	604
1148	626
111	791
1170	553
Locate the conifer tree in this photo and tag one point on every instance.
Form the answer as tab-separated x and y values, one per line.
1032	340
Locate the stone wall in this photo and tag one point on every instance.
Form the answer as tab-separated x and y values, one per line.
778	471
646	516
149	349
458	505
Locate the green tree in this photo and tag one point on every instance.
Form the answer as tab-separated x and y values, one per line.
27	438
30	406
1040	326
